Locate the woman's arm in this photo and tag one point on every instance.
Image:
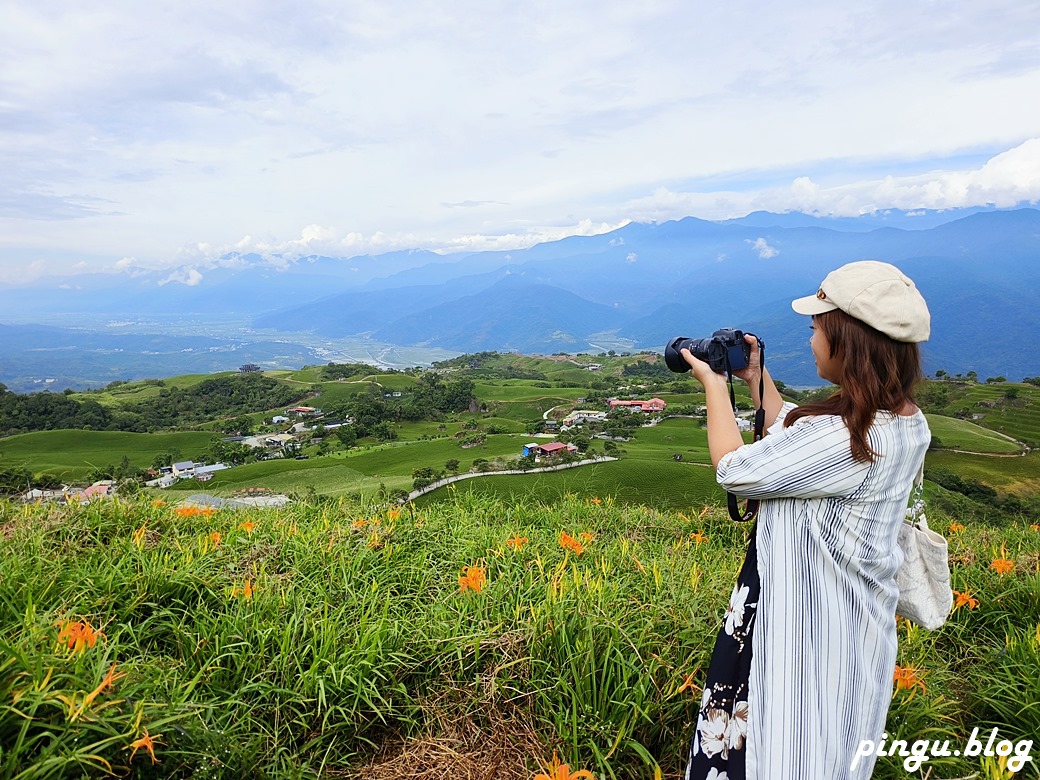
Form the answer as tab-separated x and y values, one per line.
723	434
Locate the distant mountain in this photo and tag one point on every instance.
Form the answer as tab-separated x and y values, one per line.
509	316
632	288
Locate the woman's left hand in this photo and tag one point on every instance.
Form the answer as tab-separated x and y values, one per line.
701	371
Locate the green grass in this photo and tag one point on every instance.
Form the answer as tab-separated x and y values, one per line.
1018	417
964	435
357	646
1017	475
664	484
71	455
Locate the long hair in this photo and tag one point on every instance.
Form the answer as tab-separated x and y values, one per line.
876	373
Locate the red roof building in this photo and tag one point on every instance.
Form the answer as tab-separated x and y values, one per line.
650	405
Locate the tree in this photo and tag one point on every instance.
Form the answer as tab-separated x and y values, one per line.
347	435
424	476
15	479
452	465
249	368
384	431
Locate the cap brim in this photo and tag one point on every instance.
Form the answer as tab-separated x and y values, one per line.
810	305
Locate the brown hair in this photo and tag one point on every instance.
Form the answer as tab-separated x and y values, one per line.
876	373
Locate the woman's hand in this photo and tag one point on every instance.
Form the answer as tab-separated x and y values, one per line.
701	371
753	371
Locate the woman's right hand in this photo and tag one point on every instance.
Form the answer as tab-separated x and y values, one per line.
753	372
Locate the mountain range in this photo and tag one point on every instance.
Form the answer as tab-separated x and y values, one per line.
630	289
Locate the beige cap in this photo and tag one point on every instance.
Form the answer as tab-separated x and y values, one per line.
876	293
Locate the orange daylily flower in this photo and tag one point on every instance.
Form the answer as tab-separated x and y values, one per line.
246	591
158	502
964	599
586	537
688	684
956	528
393	514
79	635
1034	527
247	526
596	500
517	542
147	742
698	537
359	523
137	537
568	542
193	511
558	771
907	678
110	678
1002	565
215	537
77	709
472	577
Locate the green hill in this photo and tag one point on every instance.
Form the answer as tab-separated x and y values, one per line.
72	455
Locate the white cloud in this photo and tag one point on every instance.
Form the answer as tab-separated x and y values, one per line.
631	257
761	246
189	277
173	140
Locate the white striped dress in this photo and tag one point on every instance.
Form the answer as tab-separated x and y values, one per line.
824	640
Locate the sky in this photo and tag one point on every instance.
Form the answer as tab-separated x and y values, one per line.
169	134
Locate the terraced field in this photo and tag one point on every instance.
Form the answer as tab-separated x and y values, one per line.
1017	475
963	435
72	455
1018	417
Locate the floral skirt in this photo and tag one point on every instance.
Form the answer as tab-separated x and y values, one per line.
717	749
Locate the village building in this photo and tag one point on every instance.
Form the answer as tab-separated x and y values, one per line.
540	451
649	405
579	416
304	411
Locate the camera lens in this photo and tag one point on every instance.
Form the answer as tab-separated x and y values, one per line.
674	360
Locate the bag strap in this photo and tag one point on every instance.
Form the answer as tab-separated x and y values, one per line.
915	515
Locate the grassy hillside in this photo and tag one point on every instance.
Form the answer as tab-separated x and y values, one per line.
72	455
461	639
516	391
964	435
1012	408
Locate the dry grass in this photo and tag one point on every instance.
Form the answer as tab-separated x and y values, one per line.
502	745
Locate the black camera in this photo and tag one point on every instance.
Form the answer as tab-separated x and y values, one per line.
726	350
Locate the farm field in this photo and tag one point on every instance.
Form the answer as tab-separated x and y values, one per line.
1016	475
964	435
72	455
1018	417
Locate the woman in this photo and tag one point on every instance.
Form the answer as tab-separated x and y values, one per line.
802	668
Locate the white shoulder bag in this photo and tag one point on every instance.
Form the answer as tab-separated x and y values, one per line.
925	597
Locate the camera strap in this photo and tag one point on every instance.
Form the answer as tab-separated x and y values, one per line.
751	505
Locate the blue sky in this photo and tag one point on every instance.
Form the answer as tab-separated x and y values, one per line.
167	134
